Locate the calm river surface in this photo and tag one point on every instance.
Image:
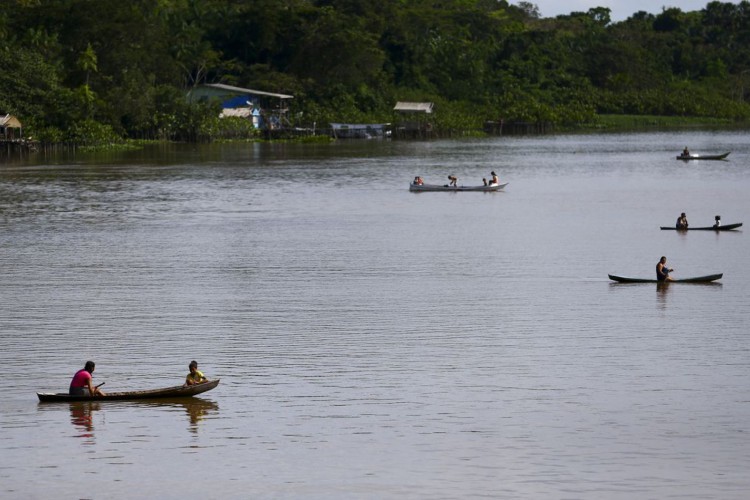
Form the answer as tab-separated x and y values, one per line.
377	343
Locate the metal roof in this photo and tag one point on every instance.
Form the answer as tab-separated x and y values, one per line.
9	121
241	90
415	107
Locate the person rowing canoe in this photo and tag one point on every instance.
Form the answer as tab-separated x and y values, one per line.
82	383
662	271
195	376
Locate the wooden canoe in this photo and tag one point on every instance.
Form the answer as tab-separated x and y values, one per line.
702	157
178	391
724	227
699	279
418	188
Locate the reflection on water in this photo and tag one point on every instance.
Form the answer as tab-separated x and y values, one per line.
84	414
196	409
662	290
81	414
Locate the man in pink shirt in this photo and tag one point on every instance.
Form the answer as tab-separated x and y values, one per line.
82	385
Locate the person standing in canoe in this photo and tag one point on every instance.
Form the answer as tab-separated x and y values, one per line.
453	180
195	376
82	383
682	222
662	271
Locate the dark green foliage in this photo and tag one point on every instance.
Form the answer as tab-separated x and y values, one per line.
100	70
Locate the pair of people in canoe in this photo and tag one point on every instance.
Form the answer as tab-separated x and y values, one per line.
494	180
682	222
83	385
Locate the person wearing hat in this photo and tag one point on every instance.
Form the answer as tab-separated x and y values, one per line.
682	222
717	224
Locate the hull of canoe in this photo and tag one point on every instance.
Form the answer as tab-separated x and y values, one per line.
698	279
178	391
437	187
725	227
702	157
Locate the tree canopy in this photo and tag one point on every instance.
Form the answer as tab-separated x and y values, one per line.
125	67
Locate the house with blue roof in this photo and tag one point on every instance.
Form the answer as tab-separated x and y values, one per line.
267	110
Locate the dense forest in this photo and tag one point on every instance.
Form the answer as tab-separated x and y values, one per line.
92	69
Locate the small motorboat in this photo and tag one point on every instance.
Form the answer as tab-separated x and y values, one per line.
179	391
702	157
418	188
698	279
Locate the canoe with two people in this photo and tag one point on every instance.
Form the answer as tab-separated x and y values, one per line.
682	225
82	389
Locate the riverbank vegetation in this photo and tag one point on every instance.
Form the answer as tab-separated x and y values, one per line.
93	71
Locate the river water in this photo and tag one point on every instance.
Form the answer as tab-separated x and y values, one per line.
377	343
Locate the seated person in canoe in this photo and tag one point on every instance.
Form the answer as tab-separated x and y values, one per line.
82	384
195	376
662	271
717	224
686	151
494	180
418	181
682	222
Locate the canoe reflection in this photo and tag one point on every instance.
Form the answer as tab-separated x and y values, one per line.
82	412
196	408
